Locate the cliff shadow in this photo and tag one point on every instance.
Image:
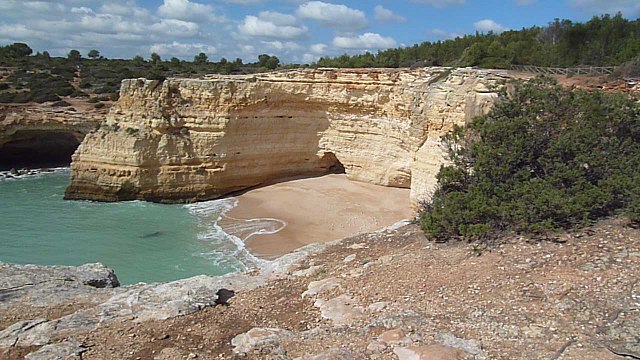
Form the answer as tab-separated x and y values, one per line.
334	166
281	141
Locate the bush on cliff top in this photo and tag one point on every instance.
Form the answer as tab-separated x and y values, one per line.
545	158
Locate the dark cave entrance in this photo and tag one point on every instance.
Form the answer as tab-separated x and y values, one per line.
332	164
38	149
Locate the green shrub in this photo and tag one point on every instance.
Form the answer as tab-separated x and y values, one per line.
106	90
79	94
42	97
66	72
6	98
64	90
60	104
544	159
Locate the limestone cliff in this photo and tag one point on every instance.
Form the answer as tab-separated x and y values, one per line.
34	134
187	140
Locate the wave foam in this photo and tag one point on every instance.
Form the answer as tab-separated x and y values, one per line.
209	213
32	173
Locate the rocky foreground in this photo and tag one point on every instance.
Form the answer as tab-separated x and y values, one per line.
385	295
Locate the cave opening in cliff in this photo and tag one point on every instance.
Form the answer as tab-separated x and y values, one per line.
38	149
332	164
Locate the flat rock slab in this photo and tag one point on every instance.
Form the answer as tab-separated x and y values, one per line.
394	337
472	347
430	352
62	351
341	310
257	338
138	303
308	272
331	354
98	287
317	287
36	285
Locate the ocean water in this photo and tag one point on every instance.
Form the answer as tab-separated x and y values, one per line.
142	242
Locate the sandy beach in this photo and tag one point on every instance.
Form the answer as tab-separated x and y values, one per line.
299	212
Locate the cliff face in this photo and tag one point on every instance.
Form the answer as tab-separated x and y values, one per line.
185	139
37	134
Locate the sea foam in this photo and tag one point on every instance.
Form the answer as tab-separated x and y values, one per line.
231	240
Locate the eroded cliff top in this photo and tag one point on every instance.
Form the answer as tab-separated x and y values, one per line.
389	76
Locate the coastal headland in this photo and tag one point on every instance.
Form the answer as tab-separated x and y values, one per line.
183	140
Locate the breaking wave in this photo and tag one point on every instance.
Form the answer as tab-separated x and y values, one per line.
230	241
7	175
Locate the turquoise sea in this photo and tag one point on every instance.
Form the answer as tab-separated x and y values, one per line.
142	242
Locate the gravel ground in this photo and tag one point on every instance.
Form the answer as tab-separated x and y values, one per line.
395	295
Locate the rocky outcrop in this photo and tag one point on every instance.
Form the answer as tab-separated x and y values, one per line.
186	140
41	135
94	299
575	298
40	285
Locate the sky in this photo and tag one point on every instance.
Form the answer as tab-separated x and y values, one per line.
297	31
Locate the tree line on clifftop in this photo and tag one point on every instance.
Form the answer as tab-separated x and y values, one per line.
546	158
25	77
602	41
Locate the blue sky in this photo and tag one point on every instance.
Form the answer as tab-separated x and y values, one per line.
294	30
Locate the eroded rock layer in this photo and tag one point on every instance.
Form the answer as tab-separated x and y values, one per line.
36	135
187	140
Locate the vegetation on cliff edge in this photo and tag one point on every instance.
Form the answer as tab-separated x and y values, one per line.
603	41
545	158
25	77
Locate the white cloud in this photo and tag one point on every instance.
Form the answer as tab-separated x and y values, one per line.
128	9
386	15
365	41
439	3
334	16
184	50
444	35
309	58
525	2
282	46
318	49
21	9
627	7
486	25
118	28
186	10
243	2
177	28
81	10
278	18
19	32
253	26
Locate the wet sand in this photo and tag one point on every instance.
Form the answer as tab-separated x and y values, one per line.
300	212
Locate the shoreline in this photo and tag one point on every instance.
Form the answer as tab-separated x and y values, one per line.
23	173
277	219
272	221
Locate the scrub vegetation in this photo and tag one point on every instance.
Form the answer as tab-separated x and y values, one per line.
545	158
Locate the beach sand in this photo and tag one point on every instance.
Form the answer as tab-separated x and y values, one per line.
305	211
